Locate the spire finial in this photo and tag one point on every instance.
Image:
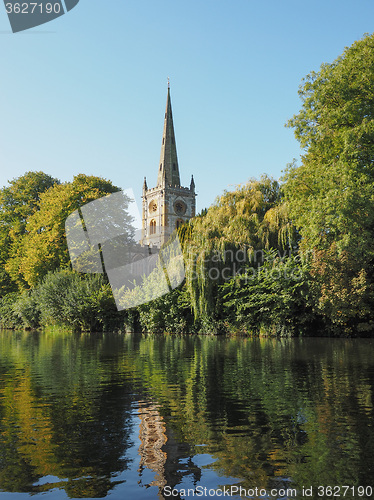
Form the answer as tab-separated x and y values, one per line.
145	187
168	83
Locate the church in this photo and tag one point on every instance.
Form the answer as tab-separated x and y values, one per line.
169	204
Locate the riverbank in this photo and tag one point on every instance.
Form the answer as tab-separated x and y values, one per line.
84	303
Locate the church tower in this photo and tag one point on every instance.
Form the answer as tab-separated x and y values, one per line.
168	205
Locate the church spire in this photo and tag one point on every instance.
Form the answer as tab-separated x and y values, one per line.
168	172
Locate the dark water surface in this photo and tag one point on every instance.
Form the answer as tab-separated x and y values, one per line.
129	416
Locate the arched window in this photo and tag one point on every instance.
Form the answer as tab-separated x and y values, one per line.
152	227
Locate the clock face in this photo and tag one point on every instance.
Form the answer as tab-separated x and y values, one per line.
179	207
153	206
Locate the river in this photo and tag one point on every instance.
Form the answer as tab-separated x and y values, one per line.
163	416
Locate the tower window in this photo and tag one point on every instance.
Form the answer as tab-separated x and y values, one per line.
173	141
160	166
153	206
163	140
152	227
174	166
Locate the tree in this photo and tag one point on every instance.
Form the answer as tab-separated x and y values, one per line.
232	235
18	201
331	195
273	298
43	247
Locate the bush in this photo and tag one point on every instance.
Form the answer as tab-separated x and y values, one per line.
81	302
27	309
170	313
274	298
8	317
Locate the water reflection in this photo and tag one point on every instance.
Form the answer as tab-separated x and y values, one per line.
129	415
55	419
162	454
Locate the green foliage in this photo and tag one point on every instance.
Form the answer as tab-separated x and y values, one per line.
233	234
202	212
80	302
330	196
8	317
184	233
27	309
75	301
165	272
170	313
43	247
18	201
6	283
273	298
344	293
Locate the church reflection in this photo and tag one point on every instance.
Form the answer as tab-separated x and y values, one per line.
162	453
125	416
80	436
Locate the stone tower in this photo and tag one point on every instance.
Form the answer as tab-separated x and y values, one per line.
168	205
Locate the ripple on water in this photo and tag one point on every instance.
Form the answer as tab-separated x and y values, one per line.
86	416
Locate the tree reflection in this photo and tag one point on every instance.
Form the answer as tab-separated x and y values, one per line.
269	412
67	432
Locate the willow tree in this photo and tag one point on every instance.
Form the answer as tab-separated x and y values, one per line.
233	236
331	195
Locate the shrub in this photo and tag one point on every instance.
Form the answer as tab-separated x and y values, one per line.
81	302
8	317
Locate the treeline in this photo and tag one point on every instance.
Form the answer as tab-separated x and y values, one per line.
287	258
243	272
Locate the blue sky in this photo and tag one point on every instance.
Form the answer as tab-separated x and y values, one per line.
86	92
